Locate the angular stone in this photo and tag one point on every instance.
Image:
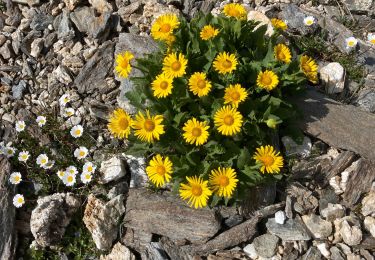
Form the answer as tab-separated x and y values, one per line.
125	11
17	90
368	204
280	217
71	4
137	167
295	16
312	254
262	19
40	21
352	235
92	76
266	245
292	230
149	211
119	252
250	251
366	100
370	225
63	25
112	170
101	6
336	253
101	219
292	148
318	227
333	211
51	216
36	47
333	77
358	5
323	248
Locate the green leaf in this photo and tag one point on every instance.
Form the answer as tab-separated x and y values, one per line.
244	158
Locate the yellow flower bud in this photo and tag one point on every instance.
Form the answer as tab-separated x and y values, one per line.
271	123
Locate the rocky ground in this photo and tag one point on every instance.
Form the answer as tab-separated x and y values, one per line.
323	209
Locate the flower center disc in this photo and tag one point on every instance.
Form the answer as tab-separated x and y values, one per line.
266	80
89	169
176	65
196	190
81	153
223	181
124	63
20	200
228	120
306	68
17	178
164	85
123	123
88	177
201	84
281	55
165	28
78	132
70	178
149	125
227	64
196	132
373	41
43	161
160	170
267	160
233	12
235	96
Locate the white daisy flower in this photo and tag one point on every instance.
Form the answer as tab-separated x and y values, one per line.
64	99
86	177
68	112
60	174
69	179
309	20
76	131
89	167
48	165
351	42
20	126
23	156
15	178
9	151
42	160
81	152
71	170
41	120
18	200
371	38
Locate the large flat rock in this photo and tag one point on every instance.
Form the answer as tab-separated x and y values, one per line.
339	125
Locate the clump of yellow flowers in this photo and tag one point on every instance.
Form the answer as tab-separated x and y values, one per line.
210	102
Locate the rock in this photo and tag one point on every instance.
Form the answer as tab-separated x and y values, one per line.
63	26
323	248
233	220
101	6
87	22
333	211
366	100
295	16
155	251
137	239
71	4
119	252
137	167
352	235
312	254
27	2
149	211
318	227
304	200
358	5
37	47
333	77
7	212
250	251
336	254
266	245
101	219
6	50
280	217
125	11
51	216
40	21
17	90
3	39
292	230
292	148
112	170
366	254
92	76
368	204
61	74
262	19
257	197
370	225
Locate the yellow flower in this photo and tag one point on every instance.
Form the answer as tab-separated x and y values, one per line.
195	132
120	123
196	192
223	181
279	24
159	170
199	85
225	63
163	27
309	68
267	80
235	10
148	128
174	67
270	160
123	67
282	53
228	120
234	94
162	86
208	32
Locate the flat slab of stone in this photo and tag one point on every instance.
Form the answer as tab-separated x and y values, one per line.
291	230
339	125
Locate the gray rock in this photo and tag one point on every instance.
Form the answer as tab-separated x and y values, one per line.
118	189
101	219
333	77
368	204
125	11
112	170
71	4
358	5
6	50
352	235
7	212
295	16
292	230
233	220
51	216
318	227
137	167
87	22
327	196
366	100
119	252
266	245
17	90
37	47
333	211
369	223
312	254
101	6
92	76
61	73
3	39
40	21
292	148
64	28
336	253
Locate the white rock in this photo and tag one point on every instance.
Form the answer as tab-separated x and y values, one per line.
62	75
112	169
346	173
137	166
280	217
335	184
333	211
292	148
368	204
36	47
119	252
370	225
250	251
333	77
352	235
263	19
323	248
